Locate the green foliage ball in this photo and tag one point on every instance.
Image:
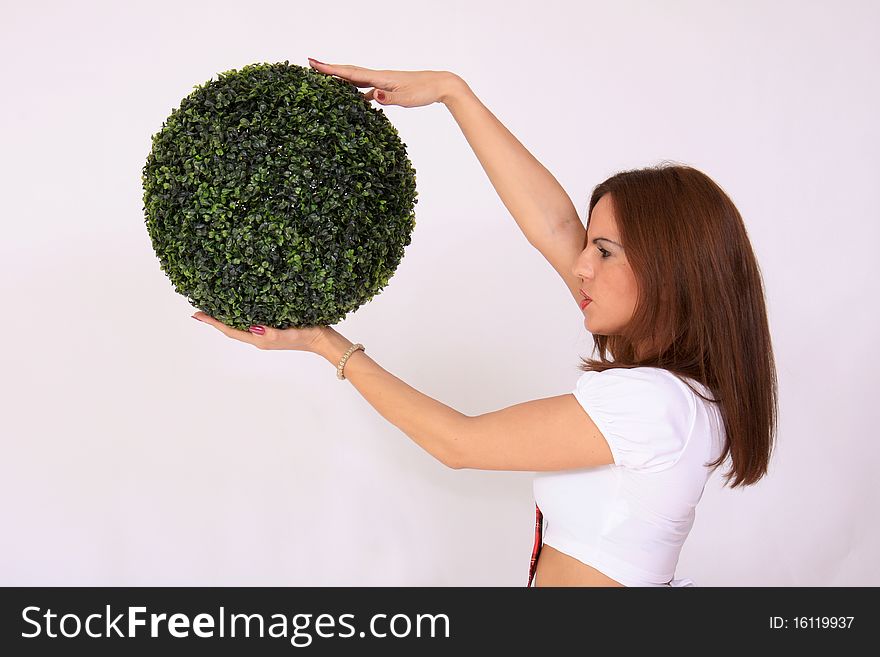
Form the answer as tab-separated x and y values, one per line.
278	195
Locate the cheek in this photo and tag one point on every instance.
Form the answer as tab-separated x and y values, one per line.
627	280
628	290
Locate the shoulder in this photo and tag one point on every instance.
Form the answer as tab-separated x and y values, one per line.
646	383
646	413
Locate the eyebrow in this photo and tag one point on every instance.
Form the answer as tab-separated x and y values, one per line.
605	239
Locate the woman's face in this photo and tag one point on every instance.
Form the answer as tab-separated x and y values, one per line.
605	274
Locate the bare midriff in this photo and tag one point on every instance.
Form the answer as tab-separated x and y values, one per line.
558	569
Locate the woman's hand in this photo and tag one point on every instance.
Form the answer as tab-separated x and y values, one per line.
296	339
403	88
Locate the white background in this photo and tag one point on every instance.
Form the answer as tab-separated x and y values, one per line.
143	448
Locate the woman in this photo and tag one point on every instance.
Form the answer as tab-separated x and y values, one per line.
670	289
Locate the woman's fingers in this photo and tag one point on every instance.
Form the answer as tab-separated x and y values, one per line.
360	77
228	331
402	88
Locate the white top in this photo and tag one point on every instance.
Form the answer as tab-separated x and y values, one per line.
629	520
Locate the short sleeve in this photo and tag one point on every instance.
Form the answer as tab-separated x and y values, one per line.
645	414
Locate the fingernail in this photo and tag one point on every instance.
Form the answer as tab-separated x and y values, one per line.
380	95
312	59
259	330
196	318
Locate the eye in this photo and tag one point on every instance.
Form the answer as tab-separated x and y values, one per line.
604	253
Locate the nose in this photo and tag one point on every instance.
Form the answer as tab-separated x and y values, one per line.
582	268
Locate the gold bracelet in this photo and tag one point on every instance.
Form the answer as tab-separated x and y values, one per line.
351	350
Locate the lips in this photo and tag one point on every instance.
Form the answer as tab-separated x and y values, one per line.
586	300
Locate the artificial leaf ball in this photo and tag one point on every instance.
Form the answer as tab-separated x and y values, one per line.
278	195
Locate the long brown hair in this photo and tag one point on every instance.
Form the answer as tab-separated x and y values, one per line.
700	305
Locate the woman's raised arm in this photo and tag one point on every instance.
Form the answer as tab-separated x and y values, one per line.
534	198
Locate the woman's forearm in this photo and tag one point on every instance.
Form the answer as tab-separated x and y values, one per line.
432	425
534	198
